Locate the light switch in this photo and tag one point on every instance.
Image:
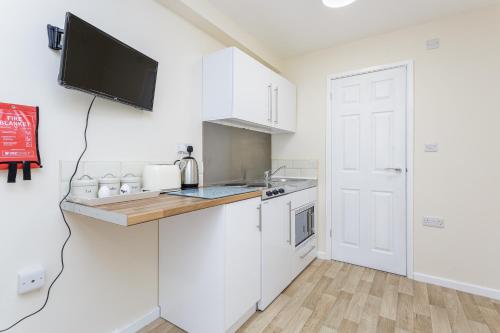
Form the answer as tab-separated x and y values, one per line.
431	147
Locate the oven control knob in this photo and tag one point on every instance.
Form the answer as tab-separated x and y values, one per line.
275	192
281	190
269	193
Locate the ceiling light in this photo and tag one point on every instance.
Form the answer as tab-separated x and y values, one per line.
337	3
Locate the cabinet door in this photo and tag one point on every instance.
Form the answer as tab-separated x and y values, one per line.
277	250
284	104
252	90
242	253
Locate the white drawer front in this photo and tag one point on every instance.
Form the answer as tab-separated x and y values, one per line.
305	254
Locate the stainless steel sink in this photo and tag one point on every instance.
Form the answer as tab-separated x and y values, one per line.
275	182
258	185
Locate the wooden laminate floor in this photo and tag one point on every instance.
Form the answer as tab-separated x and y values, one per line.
332	297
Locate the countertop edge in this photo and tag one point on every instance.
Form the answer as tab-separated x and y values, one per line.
155	214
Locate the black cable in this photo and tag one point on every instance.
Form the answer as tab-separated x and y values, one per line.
65	222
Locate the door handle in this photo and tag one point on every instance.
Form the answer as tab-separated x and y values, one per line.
398	170
276	91
259	226
270	105
290	223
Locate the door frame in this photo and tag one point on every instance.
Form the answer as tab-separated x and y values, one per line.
409	64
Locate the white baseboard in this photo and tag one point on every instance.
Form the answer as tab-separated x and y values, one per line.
323	255
462	286
141	322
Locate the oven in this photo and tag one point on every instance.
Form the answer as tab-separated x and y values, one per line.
305	223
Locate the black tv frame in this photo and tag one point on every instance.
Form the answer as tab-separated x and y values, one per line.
92	91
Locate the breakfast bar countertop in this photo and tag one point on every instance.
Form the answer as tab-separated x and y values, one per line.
146	210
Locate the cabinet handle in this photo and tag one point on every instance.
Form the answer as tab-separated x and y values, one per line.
307	253
270	105
290	222
276	92
259	226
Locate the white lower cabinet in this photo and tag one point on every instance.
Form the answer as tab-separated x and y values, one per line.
277	249
209	267
282	259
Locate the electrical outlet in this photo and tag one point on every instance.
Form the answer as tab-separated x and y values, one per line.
29	279
433	221
182	148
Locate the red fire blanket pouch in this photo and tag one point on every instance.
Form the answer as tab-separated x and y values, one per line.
19	140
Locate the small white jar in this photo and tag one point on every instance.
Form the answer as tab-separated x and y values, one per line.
111	182
84	187
133	181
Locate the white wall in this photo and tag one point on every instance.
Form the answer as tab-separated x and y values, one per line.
456	105
203	14
111	273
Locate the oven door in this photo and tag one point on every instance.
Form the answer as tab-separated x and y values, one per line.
304	224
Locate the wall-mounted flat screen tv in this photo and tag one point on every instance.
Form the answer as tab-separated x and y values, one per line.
97	63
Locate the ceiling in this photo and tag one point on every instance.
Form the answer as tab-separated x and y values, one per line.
292	27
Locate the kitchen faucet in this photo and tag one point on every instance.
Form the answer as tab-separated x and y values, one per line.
269	174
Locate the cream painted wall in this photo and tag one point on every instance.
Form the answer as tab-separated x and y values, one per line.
457	104
111	272
203	14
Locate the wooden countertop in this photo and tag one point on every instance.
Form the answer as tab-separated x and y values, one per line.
152	209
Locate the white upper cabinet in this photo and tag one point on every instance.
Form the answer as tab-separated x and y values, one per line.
240	91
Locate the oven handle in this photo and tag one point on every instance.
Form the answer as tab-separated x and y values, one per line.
309	226
310	221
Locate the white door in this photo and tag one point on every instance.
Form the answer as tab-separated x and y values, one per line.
243	255
252	89
284	104
277	248
369	170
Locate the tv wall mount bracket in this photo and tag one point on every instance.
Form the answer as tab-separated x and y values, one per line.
55	37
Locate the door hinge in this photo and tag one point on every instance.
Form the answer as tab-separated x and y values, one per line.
331	96
331	234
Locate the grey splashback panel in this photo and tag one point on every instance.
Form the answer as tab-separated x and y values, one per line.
234	154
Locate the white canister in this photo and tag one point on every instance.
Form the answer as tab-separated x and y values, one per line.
84	187
111	182
133	181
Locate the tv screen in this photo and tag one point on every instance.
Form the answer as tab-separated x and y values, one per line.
95	62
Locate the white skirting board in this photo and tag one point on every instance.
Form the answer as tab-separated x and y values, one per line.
141	322
462	286
323	255
452	284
